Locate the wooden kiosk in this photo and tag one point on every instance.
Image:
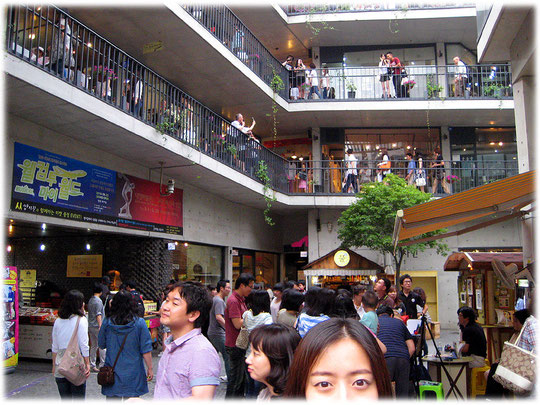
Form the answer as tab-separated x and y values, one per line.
481	289
340	268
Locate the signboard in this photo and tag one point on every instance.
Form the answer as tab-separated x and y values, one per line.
342	258
85	266
303	254
152	47
27	279
45	183
171	246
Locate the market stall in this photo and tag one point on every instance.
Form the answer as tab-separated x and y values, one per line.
480	288
342	268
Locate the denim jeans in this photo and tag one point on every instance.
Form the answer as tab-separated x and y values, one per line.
236	383
325	93
314	89
351	179
69	391
219	344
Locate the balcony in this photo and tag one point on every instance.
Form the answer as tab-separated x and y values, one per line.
58	45
416	83
330	176
367	7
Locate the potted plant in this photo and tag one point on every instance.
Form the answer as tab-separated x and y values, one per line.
494	90
433	89
351	88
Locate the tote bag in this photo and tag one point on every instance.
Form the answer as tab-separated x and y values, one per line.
517	367
72	365
242	341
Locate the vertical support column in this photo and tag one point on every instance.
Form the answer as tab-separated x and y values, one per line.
441	71
281	276
228	264
446	151
315	56
524	109
316	154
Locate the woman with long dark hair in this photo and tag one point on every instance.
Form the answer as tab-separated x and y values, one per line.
258	314
291	304
272	349
338	359
123	325
318	305
71	309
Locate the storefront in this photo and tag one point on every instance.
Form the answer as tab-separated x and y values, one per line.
341	268
72	222
263	265
480	288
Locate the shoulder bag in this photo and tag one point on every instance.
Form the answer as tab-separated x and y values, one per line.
516	369
242	341
72	364
105	375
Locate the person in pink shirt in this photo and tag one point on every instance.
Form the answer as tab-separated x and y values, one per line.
189	366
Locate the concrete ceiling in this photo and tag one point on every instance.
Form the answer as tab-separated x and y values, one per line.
283	39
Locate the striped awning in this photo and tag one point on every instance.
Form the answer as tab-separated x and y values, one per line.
504	198
339	272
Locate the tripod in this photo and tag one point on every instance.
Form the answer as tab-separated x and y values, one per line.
424	325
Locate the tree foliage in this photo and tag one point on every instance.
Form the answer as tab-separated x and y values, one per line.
369	221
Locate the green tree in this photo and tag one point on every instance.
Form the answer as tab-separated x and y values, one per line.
369	221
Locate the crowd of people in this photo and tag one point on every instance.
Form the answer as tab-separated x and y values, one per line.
277	342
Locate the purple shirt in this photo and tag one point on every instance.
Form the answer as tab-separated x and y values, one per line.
187	362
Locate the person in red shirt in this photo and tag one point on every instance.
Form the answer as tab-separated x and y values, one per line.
236	306
396	66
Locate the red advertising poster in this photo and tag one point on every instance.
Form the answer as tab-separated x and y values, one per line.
139	203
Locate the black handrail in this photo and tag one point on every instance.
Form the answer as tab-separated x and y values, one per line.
221	22
52	40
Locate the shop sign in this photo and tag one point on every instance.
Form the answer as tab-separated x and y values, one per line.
27	279
152	47
171	246
45	183
85	266
342	258
303	254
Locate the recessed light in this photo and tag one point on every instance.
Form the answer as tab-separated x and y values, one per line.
42	247
88	247
43	226
9	248
186	244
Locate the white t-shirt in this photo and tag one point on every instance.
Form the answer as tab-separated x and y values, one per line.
461	70
62	331
274	308
312	74
252	321
383	67
350	161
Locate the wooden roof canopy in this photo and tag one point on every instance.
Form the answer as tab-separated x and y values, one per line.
505	198
480	260
357	262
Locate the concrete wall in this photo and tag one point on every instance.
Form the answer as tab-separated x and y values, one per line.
207	218
506	234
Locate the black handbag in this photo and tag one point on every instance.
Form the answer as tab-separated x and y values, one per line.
105	375
302	175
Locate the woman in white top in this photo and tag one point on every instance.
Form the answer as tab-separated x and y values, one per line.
384	76
325	83
313	81
71	308
258	314
300	70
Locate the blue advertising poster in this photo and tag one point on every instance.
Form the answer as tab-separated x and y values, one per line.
45	183
47	178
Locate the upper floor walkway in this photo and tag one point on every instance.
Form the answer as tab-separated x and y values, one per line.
56	48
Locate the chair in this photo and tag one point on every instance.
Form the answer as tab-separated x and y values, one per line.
431	386
478	382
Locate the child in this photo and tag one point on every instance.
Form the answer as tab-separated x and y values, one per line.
370	320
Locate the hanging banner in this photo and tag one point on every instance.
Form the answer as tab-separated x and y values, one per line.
45	183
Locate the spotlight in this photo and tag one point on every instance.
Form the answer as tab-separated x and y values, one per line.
9	248
186	244
42	247
43	226
88	247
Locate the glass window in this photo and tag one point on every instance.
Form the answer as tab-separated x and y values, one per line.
266	268
197	263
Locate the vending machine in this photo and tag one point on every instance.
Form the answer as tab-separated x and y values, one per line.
10	341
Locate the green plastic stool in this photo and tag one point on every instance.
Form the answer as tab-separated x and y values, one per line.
437	388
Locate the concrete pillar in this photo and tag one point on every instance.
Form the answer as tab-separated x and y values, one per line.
441	71
446	150
316	56
228	264
316	154
524	110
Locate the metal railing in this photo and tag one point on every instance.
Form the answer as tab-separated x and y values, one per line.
419	82
60	45
235	36
57	43
361	6
331	176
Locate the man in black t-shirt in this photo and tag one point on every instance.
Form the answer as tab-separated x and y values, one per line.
473	336
409	298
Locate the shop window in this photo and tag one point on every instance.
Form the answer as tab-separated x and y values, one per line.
266	268
197	263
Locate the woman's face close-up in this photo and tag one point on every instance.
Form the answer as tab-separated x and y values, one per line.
343	372
393	295
258	365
